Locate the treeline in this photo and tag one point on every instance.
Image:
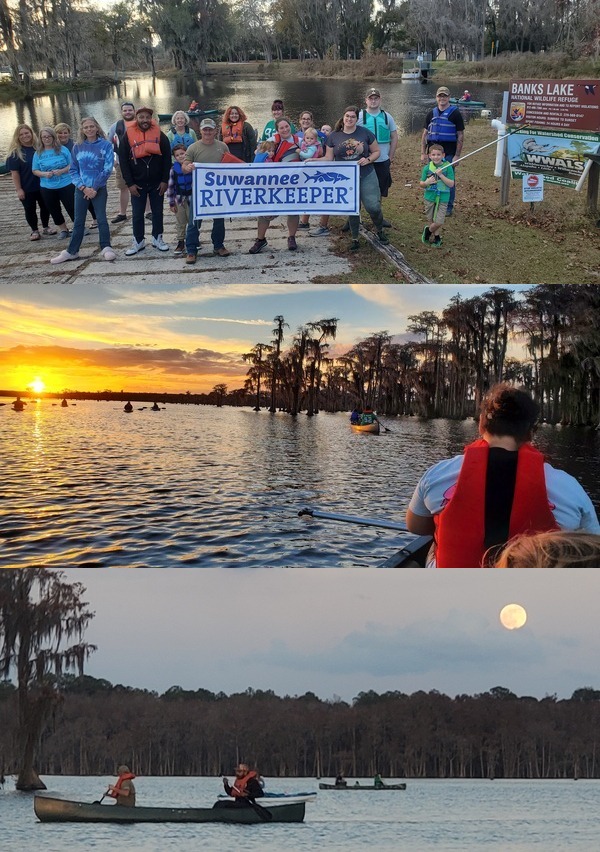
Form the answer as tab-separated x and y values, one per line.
424	735
456	356
68	38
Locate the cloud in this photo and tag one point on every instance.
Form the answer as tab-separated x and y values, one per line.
461	643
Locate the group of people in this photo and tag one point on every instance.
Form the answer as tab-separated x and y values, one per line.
500	503
55	174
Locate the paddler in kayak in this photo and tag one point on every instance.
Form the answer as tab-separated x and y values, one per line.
124	790
499	488
246	787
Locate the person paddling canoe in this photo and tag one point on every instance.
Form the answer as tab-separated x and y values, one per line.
246	785
123	791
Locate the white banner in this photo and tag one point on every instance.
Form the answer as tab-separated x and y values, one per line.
273	189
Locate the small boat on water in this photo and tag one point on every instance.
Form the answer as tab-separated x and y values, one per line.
372	428
52	809
358	786
191	113
268	799
468	104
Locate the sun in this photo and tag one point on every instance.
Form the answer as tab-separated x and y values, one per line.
37	385
513	616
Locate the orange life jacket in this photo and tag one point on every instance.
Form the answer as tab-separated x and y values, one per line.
232	132
127	776
238	788
144	144
283	147
460	526
229	158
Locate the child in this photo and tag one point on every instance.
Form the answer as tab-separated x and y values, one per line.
437	184
310	147
179	193
265	152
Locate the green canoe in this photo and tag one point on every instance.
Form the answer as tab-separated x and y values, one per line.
50	809
192	113
362	787
468	104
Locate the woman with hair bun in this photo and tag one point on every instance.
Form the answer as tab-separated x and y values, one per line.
500	487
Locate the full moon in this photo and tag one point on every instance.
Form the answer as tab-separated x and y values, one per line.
513	616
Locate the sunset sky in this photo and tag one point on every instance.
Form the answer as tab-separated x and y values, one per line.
96	336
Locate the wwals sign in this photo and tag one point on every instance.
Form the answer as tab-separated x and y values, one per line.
257	189
560	104
557	155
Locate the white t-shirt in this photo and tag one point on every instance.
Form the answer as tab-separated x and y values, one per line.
570	505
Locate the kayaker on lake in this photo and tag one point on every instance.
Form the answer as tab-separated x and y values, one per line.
499	488
340	781
246	785
124	790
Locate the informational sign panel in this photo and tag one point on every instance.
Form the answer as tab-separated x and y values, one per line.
558	156
257	189
533	188
556	104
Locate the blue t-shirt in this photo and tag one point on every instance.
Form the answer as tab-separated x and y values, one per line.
29	181
49	159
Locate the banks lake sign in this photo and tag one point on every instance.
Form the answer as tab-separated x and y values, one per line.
275	189
559	104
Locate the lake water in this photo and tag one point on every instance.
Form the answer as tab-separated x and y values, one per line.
198	486
408	102
429	815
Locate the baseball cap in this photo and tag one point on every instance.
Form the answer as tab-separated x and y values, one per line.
374	92
208	122
443	91
144	109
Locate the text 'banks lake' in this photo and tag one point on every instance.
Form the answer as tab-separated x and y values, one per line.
89	485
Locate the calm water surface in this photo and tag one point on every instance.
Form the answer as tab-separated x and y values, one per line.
431	814
408	102
91	486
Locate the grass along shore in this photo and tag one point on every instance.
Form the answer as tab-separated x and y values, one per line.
483	243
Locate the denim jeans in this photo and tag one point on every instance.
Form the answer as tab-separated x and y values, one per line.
81	209
192	233
138	206
370	198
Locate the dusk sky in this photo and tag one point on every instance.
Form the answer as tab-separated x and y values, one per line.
107	334
340	633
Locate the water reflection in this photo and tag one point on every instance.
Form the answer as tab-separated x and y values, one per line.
408	102
195	486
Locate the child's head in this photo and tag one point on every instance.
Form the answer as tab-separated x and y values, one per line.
267	147
436	153
326	128
311	137
179	153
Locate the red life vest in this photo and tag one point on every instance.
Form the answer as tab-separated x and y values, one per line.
283	147
460	526
229	158
238	788
144	144
127	776
232	132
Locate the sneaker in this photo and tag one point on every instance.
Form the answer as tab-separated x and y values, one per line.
320	232
221	252
63	256
108	253
121	217
425	235
190	259
159	243
437	242
386	224
383	238
449	211
135	247
257	247
292	244
345	227
179	248
354	245
304	226
63	235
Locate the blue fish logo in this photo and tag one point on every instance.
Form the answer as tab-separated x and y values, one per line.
326	177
